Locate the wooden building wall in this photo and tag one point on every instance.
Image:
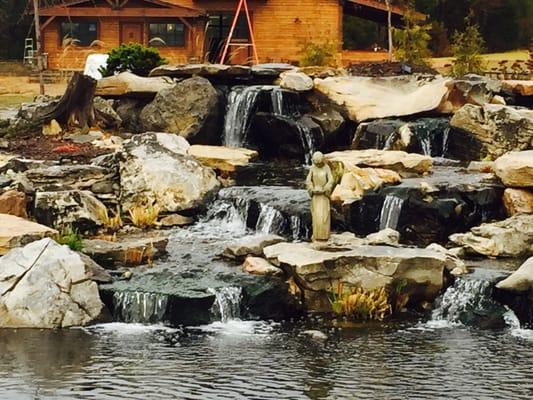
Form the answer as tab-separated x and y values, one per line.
281	27
73	58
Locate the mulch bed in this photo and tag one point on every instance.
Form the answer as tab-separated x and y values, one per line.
375	69
52	148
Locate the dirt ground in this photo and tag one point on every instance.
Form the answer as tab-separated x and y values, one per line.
17	89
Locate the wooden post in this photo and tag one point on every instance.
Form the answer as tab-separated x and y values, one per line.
39	44
389	30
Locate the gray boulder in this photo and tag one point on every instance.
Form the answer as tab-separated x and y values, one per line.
497	128
46	285
156	170
78	209
189	109
106	114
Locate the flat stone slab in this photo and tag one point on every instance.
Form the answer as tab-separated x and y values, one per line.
126	251
222	158
17	232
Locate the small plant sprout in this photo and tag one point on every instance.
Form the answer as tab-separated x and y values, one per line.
71	238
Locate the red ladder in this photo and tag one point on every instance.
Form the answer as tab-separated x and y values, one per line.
242	4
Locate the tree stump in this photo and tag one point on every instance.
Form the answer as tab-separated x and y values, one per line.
75	108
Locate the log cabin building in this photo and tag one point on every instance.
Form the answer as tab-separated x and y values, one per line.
188	31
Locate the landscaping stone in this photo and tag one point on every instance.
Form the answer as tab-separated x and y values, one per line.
16	232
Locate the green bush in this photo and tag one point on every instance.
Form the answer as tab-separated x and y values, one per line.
412	41
317	54
71	238
467	47
132	57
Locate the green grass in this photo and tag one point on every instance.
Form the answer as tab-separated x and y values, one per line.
14	100
491	60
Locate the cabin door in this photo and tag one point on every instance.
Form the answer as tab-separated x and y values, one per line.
131	32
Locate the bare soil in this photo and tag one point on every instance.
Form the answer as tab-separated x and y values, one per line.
50	148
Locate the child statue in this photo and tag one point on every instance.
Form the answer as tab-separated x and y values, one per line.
320	185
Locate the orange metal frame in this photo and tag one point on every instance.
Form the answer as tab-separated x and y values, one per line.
242	4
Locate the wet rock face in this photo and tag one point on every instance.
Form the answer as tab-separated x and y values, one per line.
428	136
45	285
498	129
189	109
78	209
155	170
428	209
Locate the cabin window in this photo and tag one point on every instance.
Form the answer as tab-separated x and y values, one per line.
220	24
172	35
83	33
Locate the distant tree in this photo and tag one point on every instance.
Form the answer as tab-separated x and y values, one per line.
412	40
439	43
467	47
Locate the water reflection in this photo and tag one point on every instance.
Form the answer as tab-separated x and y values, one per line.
259	360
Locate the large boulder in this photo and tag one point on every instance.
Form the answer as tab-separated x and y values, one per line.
512	237
106	114
220	158
515	168
156	170
78	209
74	176
497	128
520	87
399	161
131	85
46	285
364	98
189	109
16	232
419	271
519	281
518	201
250	246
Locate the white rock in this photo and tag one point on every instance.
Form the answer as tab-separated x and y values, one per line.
297	81
516	168
521	280
259	266
371	98
46	285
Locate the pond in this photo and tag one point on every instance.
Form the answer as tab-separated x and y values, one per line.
264	360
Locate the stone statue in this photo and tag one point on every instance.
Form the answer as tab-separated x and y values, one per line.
320	185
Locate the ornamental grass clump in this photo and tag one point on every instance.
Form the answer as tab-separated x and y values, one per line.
144	216
111	223
360	304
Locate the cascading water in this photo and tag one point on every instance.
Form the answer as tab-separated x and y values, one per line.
445	138
270	220
227	305
242	102
141	307
470	301
390	212
307	140
276	95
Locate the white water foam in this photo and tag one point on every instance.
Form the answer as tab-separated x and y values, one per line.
122	328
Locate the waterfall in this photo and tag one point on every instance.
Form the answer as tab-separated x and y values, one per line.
270	220
141	307
425	144
445	138
390	212
241	105
277	101
307	140
470	302
227	305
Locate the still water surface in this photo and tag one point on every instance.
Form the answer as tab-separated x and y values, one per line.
260	360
